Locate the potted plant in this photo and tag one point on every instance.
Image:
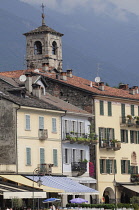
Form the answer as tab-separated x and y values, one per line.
137	120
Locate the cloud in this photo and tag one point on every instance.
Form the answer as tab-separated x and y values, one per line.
114	8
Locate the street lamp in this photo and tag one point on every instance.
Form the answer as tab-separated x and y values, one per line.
114	183
39	182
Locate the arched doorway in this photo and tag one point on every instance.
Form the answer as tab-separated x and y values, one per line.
109	196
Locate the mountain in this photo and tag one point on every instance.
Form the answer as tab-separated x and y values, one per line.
89	39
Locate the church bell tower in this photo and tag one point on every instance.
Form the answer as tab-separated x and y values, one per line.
44	48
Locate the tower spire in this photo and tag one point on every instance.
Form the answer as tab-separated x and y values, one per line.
43	16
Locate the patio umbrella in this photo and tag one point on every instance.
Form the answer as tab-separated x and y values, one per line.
78	200
51	200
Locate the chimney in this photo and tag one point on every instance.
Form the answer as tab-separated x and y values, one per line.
133	90
36	90
69	73
28	83
45	66
63	76
101	86
123	86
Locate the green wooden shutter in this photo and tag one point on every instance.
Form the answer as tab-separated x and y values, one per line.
129	167
122	166
137	137
122	136
42	156
100	137
101	107
132	110
113	133
55	157
108	166
109	108
126	136
27	122
28	156
101	166
115	166
123	110
105	137
136	169
108	133
131	136
132	169
41	123
54	125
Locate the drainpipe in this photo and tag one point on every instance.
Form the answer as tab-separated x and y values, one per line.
61	138
16	143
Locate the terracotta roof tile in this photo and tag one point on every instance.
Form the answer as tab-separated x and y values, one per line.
79	83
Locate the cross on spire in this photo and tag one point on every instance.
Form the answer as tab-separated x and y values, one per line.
43	16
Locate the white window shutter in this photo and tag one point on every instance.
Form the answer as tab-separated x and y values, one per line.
41	122
27	122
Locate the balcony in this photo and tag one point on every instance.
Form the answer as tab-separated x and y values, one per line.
129	121
110	144
134	178
78	168
80	138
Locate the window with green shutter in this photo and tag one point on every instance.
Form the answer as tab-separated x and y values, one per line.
115	167
55	161
124	136
101	167
28	156
41	122
123	110
101	107
42	156
129	167
27	122
109	108
54	130
122	166
125	167
132	110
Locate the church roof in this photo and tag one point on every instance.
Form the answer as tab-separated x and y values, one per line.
43	29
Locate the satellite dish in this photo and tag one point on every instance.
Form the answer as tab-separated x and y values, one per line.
97	79
36	70
22	78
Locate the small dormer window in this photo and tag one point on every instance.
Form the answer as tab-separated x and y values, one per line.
54	48
37	48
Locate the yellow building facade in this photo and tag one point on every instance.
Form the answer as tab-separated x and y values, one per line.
38	139
117	151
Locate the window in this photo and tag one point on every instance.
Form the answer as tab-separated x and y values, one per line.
80	128
132	110
66	155
123	113
54	48
42	156
74	155
66	126
28	156
37	48
109	108
55	162
54	130
73	126
41	123
106	133
82	155
108	166
134	169
134	137
125	166
101	107
27	122
124	136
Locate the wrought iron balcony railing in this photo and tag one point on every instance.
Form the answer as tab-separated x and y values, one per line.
78	168
129	121
110	144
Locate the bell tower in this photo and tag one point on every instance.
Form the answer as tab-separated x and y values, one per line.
44	47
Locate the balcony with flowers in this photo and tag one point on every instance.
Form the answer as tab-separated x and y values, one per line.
130	121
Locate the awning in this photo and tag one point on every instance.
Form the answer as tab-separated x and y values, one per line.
66	184
27	182
134	188
10	195
84	179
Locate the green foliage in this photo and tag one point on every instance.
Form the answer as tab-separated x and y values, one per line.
105	206
17	202
134	199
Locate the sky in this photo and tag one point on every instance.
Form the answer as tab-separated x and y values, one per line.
99	6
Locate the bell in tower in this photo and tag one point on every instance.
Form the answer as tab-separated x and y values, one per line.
44	48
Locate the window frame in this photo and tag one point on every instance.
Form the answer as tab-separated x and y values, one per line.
101	107
109	108
28	156
27	128
41	127
54	125
55	161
